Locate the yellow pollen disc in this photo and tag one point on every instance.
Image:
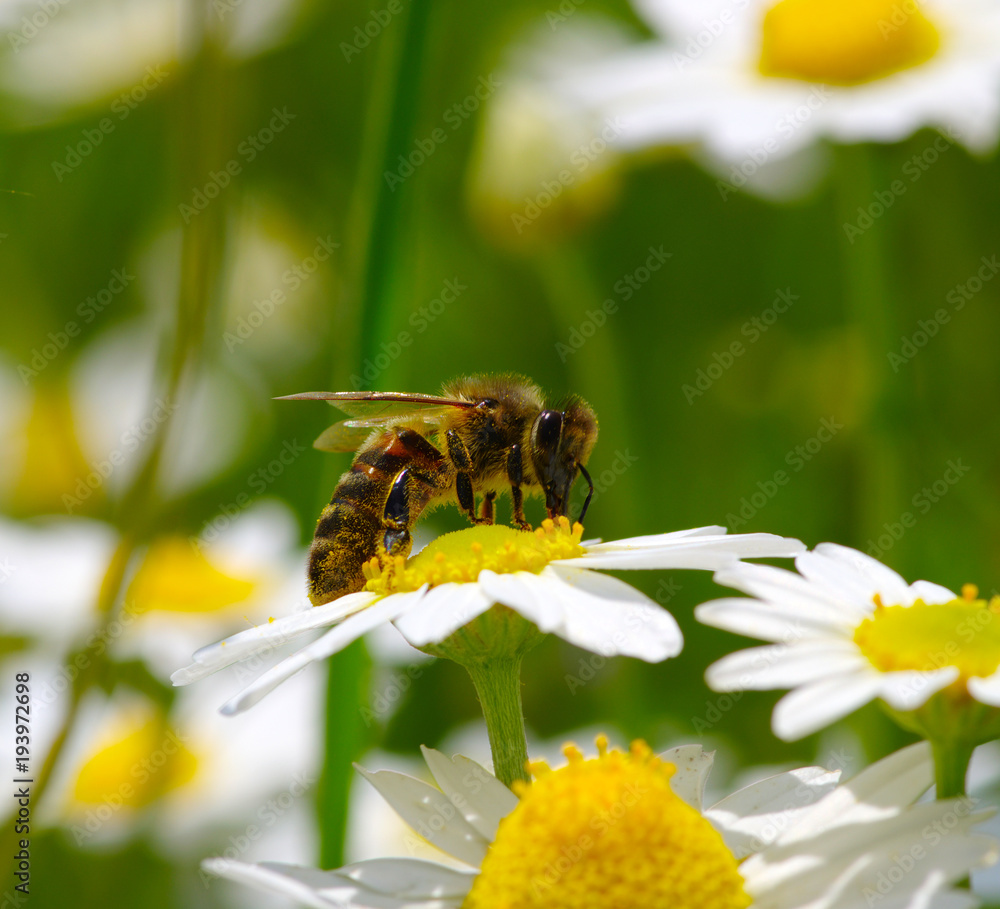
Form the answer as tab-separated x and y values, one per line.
459	557
606	832
845	42
139	762
176	577
925	636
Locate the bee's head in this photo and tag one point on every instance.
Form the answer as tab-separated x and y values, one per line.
561	442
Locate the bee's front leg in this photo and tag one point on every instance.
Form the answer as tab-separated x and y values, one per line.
486	510
515	473
459	455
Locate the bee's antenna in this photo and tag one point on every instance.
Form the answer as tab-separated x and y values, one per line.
590	494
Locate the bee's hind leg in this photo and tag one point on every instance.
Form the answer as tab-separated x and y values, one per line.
396	517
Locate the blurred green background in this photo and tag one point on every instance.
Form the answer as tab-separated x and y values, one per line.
682	459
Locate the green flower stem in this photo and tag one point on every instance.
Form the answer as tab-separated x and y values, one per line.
498	684
951	765
871	306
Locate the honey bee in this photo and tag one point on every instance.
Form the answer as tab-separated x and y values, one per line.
484	434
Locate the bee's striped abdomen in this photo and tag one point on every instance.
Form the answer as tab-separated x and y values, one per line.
351	528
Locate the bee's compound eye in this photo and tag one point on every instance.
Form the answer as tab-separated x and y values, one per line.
547	429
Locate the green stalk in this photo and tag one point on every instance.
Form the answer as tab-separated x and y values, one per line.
951	765
377	217
870	304
498	684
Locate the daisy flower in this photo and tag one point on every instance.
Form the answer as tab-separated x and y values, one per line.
630	830
847	630
750	82
548	577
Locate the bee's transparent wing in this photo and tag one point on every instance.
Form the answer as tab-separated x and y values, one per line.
345	436
371	409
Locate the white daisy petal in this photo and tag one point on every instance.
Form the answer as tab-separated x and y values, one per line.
706	552
442	612
693	765
784	622
412	878
986	690
931	593
876	792
377	884
266	638
783	665
883	579
522	593
909	689
334	640
607	616
673	537
809	708
776	585
431	814
275	878
483	800
754	817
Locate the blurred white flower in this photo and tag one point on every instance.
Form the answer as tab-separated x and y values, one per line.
61	56
753	84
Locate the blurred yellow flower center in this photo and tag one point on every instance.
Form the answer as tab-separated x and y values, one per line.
141	762
606	832
925	636
176	577
457	558
845	42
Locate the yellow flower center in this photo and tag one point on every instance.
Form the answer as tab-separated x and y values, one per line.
176	577
140	761
845	42
925	636
606	832
459	557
